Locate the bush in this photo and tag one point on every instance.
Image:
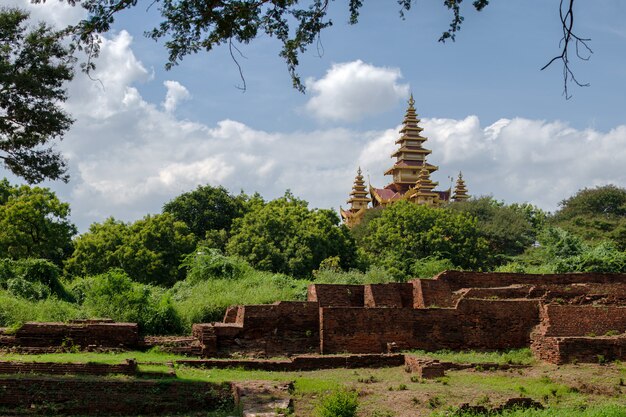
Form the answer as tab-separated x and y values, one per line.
374	275
114	295
430	266
33	279
342	403
209	263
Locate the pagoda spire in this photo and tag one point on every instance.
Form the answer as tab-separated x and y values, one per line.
460	190
410	156
358	197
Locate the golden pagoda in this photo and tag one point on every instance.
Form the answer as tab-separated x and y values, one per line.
410	162
423	192
460	190
358	202
410	176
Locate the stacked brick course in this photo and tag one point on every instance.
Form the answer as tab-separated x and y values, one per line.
580	333
49	395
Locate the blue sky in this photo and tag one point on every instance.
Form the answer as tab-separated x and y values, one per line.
150	134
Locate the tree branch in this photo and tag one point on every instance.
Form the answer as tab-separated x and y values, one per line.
567	25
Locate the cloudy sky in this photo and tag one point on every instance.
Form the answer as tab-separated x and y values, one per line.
144	135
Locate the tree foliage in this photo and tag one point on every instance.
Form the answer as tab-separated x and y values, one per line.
206	209
34	224
34	66
191	26
285	236
595	214
508	229
405	233
149	250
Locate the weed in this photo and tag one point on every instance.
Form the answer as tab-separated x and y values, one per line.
434	402
402	387
341	403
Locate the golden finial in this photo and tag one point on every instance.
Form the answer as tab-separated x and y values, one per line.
358	171
411	101
460	175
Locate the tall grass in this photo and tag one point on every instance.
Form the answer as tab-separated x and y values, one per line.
206	301
16	310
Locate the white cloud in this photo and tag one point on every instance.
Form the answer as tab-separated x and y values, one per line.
353	90
176	92
129	156
56	13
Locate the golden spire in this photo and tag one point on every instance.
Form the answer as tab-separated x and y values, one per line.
411	102
358	197
460	190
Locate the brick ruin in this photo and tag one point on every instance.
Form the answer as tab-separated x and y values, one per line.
562	317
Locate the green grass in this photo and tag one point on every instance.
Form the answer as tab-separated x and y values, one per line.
15	310
153	355
514	356
605	410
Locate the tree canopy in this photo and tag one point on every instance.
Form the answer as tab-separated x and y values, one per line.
34	66
34	224
285	236
206	208
149	250
595	214
406	233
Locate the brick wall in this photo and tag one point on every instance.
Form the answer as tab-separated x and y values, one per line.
475	324
331	295
276	329
78	334
45	395
389	295
127	368
567	320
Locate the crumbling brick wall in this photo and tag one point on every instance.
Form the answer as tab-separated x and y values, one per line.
443	290
398	295
48	395
78	335
332	295
580	333
285	327
475	324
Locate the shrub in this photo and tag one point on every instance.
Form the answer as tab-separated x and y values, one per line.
342	403
430	266
114	295
33	279
210	263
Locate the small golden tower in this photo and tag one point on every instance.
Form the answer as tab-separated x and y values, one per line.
423	193
358	202
460	190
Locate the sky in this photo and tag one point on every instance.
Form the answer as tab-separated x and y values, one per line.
144	135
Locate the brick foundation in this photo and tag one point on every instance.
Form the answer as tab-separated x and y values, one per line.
46	395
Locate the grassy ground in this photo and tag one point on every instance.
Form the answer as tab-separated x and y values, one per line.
587	390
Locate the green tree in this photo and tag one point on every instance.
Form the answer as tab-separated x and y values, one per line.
95	251
154	248
595	214
149	250
206	209
508	229
34	224
34	66
285	236
406	232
